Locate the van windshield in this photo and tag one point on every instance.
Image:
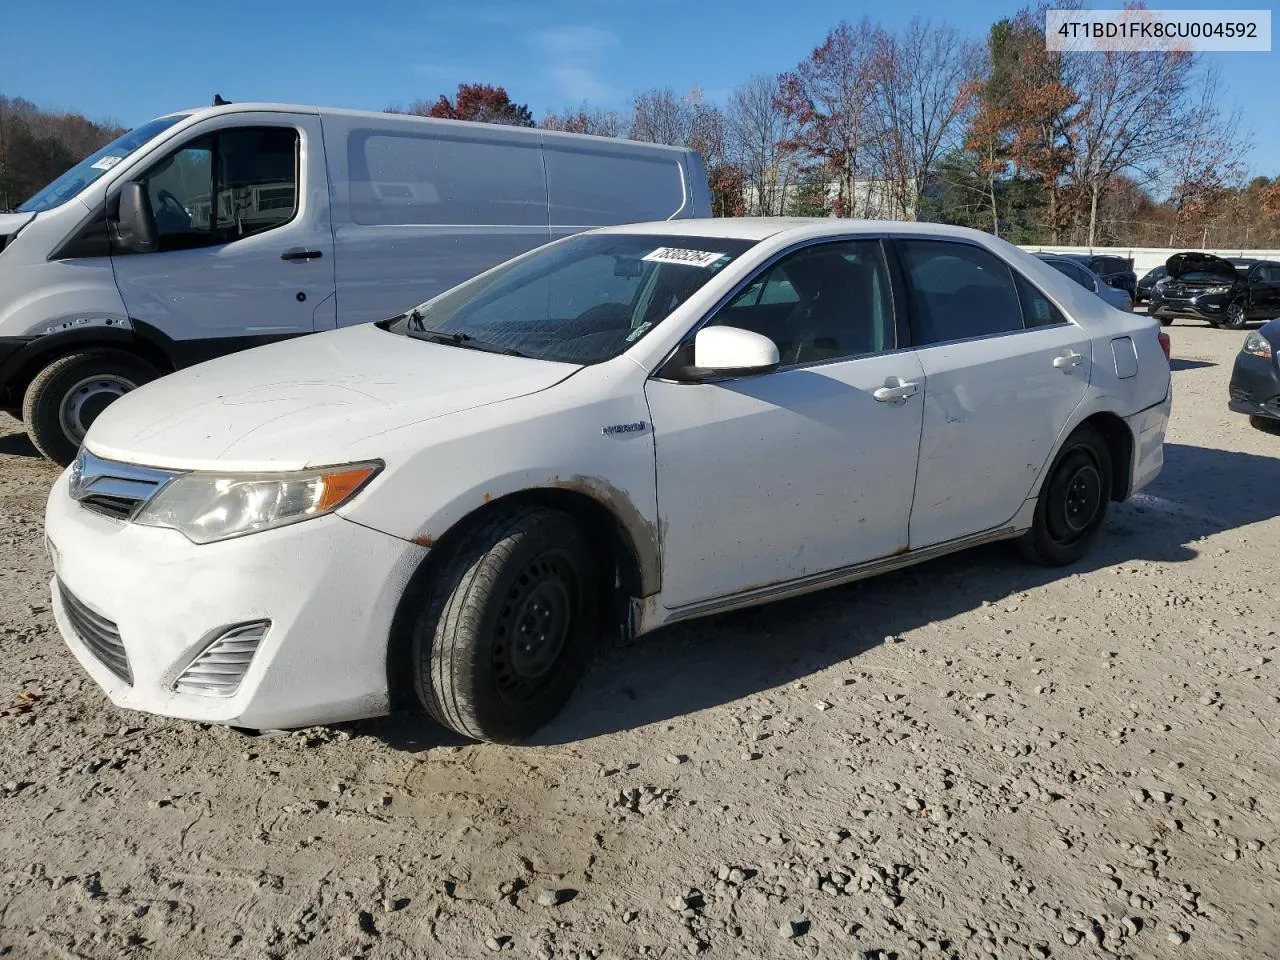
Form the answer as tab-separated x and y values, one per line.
581	300
95	165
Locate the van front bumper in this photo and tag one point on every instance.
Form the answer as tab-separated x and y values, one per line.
138	605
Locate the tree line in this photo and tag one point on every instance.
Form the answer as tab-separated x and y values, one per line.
920	122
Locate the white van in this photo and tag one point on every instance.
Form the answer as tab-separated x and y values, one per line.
215	229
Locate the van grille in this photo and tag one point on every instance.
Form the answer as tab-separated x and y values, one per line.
96	632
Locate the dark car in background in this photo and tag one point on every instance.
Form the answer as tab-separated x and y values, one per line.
1082	275
1223	293
1148	281
1115	271
1255	380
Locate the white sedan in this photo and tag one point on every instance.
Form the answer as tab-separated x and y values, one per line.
622	429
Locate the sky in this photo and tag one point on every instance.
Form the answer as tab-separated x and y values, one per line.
135	59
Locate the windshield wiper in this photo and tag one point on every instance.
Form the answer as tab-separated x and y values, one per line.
464	340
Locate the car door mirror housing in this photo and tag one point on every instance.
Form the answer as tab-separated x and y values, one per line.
732	352
134	226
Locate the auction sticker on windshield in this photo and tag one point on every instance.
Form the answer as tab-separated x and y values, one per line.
106	163
690	258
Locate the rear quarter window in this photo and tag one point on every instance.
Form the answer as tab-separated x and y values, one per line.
596	188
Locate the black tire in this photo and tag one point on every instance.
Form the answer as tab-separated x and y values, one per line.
1265	424
1236	318
519	568
1073	501
1166	321
66	397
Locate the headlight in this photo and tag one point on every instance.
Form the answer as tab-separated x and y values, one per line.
1217	290
1256	344
205	507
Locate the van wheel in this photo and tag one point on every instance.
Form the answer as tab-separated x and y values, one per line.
1073	501
509	623
65	397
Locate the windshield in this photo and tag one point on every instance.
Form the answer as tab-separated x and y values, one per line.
95	165
1205	276
581	300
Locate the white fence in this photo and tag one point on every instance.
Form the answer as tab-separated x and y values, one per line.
1145	258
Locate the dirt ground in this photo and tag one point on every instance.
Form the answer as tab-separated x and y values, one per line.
973	758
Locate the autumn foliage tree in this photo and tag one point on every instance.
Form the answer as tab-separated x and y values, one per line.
478	102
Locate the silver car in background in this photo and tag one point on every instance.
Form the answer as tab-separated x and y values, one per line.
1089	280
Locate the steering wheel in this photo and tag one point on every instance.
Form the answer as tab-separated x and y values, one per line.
172	205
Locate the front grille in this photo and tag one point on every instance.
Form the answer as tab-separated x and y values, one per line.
113	489
217	672
96	632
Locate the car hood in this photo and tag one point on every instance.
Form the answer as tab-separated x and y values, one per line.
1181	264
11	223
303	401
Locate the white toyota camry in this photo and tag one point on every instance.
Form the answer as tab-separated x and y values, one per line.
625	428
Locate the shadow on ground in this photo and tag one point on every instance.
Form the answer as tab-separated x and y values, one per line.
691	667
17	445
1177	364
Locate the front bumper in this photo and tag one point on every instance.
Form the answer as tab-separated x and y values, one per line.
1211	307
1255	386
330	588
1148	429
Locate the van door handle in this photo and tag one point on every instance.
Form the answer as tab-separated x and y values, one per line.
1068	360
895	389
297	253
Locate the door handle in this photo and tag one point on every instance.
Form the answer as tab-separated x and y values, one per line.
1068	360
895	389
298	254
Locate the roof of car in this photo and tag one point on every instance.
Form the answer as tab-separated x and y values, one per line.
761	228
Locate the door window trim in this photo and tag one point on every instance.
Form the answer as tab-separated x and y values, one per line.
901	332
1014	273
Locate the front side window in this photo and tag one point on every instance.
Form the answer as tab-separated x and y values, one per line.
225	186
825	302
581	300
958	291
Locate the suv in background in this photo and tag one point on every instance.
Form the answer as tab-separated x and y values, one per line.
1082	275
1224	293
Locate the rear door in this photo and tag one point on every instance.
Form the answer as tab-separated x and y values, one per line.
1004	371
1264	291
246	250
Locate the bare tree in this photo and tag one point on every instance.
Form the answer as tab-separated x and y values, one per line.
1127	120
759	129
660	115
1207	159
829	97
585	119
923	90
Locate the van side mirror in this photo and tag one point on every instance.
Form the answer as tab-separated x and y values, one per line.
134	227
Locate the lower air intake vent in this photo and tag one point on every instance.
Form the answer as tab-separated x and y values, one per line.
217	672
96	632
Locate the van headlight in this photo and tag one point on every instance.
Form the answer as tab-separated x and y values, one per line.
1256	344
205	507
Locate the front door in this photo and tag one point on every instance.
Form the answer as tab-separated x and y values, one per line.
245	248
1004	371
1264	292
804	470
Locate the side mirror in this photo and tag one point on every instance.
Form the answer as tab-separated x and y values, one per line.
732	352
134	227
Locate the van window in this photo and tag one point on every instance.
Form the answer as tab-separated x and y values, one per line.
594	188
403	179
252	172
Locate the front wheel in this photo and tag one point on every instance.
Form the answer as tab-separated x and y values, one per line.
1235	317
508	625
64	399
1073	501
1265	424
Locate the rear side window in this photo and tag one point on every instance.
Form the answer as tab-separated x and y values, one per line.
596	188
1037	309
225	186
434	180
958	291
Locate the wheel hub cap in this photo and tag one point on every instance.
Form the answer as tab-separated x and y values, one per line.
1084	491
532	629
87	399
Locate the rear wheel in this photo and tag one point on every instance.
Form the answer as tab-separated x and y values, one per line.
508	625
1235	317
64	399
1073	501
1265	424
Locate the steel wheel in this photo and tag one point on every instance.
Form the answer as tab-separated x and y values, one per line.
88	398
533	625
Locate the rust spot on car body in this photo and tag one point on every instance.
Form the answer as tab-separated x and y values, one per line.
901	550
425	540
644	536
488	497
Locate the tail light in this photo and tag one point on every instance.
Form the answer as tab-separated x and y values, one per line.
1165	345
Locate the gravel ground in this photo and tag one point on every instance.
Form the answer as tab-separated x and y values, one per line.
973	758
